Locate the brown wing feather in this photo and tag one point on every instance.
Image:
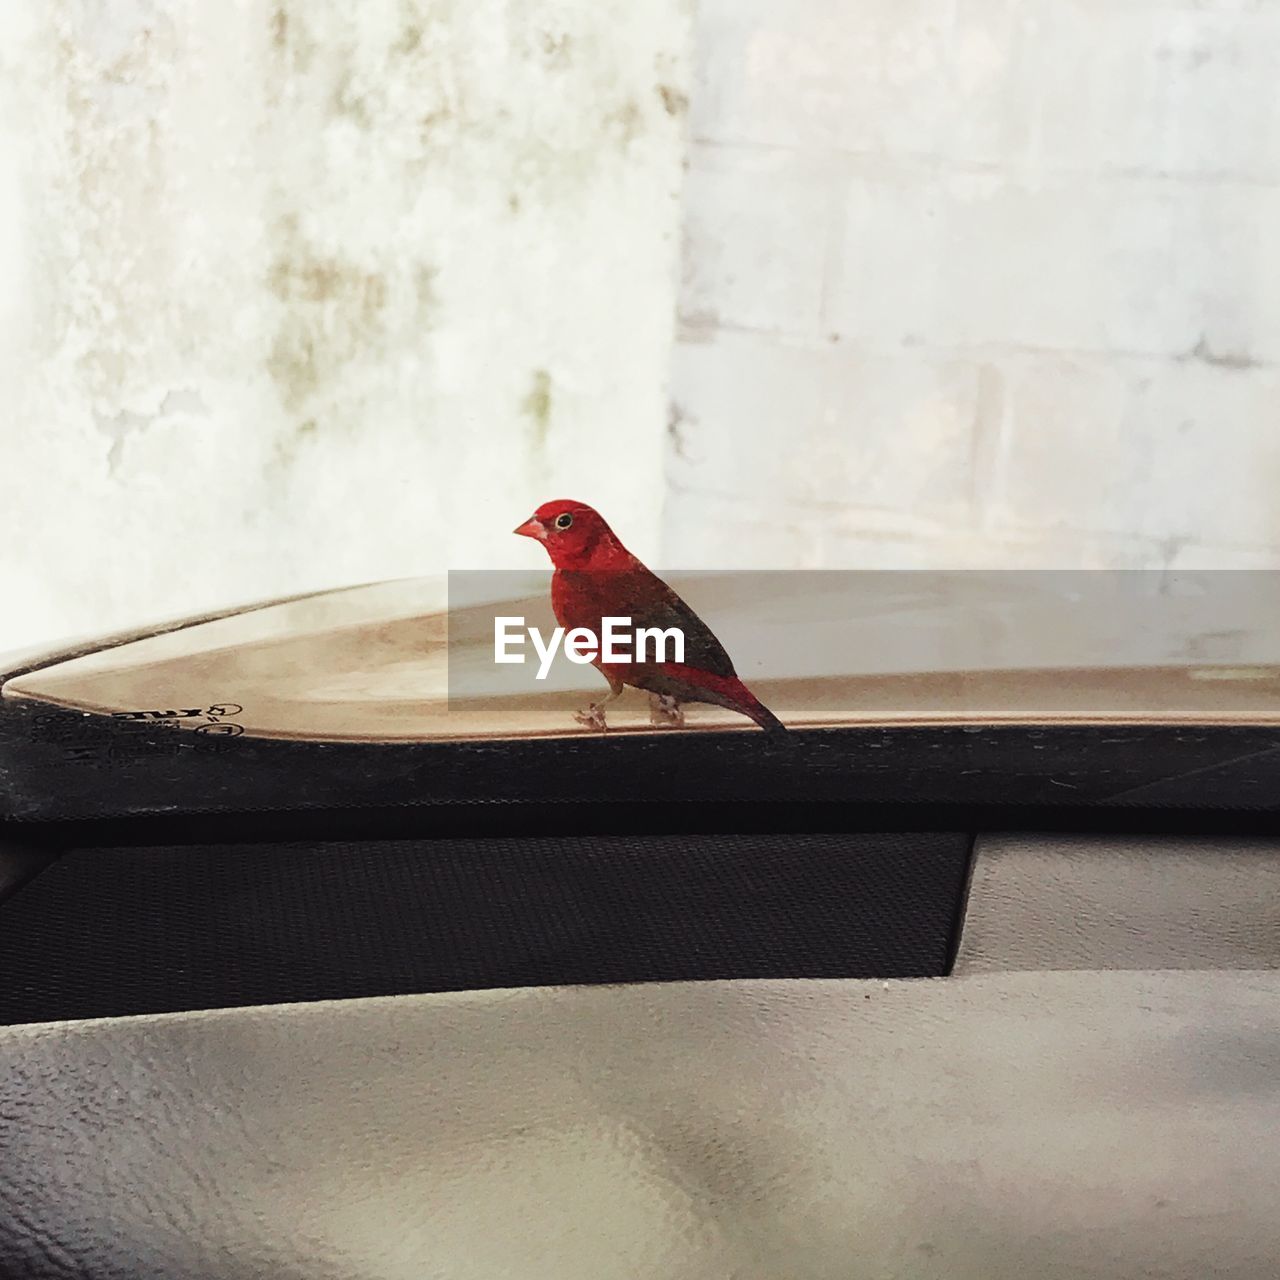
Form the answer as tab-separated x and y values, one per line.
583	598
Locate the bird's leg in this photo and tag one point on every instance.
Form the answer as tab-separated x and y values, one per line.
665	710
593	716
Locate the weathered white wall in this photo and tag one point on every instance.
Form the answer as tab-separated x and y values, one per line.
303	293
983	282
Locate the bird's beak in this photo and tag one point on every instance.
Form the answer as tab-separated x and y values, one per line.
532	528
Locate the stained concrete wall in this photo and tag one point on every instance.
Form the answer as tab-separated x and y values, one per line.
985	282
297	294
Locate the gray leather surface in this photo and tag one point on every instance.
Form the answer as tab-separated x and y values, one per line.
985	1128
1118	902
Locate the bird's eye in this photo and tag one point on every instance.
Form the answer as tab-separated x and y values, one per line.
564	520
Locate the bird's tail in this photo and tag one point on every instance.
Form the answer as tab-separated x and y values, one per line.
691	685
753	707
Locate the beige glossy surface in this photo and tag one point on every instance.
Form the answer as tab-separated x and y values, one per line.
391	662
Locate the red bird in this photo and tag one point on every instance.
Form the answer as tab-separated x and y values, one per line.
596	577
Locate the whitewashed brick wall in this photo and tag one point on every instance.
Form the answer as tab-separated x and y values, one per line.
980	282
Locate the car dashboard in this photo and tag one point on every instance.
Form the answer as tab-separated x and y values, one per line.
981	985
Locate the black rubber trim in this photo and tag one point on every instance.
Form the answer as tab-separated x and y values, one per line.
57	767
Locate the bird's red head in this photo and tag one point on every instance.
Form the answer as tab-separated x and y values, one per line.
574	534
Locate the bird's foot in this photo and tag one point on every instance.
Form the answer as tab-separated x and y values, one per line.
665	710
592	717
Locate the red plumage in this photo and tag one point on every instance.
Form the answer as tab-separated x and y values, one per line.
597	577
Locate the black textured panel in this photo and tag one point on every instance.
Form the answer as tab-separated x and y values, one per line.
110	931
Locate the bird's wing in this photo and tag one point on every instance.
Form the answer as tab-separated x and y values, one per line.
642	596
